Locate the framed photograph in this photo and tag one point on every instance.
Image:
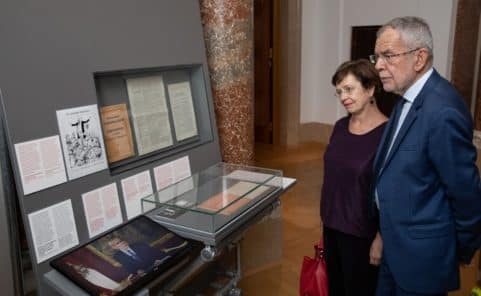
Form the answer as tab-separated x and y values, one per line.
123	260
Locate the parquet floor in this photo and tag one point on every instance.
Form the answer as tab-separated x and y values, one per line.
300	217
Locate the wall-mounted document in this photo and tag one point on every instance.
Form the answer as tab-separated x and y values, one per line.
172	172
117	132
53	230
40	164
182	110
133	189
82	141
149	112
102	209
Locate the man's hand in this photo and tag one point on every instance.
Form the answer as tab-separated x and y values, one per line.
466	265
375	254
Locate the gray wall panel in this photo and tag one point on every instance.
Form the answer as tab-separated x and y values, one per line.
50	51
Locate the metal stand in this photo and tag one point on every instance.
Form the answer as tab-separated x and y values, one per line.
209	254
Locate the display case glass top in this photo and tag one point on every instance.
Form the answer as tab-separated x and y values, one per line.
213	198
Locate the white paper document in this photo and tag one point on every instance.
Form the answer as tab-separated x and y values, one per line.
40	164
241	188
53	230
183	112
102	209
149	113
172	172
250	176
82	141
181	168
179	189
133	189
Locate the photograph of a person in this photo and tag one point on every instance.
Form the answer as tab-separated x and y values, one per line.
118	262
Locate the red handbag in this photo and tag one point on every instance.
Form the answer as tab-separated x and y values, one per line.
313	281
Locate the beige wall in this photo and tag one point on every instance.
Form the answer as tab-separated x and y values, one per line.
315	132
289	46
315	38
326	35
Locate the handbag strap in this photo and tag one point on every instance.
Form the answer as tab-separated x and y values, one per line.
319	248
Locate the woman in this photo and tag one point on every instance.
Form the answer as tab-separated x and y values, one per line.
352	245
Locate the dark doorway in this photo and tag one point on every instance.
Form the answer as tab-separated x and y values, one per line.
362	45
263	54
465	49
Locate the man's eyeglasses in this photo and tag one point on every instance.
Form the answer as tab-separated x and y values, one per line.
348	90
387	57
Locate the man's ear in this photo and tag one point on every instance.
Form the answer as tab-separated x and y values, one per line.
421	56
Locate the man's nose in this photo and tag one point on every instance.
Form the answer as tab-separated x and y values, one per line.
379	65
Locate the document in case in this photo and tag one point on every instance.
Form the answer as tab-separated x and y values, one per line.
40	164
117	132
218	202
149	112
182	110
82	141
235	197
257	193
53	230
250	176
242	187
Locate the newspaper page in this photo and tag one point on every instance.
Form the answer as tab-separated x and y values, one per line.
149	112
183	112
102	209
53	230
172	172
133	189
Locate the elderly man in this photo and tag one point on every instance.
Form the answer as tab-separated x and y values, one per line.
427	189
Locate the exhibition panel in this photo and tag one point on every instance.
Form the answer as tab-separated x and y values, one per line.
111	141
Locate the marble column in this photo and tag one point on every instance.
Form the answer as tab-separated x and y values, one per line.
228	33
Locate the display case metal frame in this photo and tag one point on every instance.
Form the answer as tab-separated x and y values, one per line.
214	202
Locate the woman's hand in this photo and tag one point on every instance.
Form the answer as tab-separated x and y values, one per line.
375	254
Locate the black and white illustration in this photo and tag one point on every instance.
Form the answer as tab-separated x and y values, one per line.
82	141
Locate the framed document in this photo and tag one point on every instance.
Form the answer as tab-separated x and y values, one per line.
117	132
182	110
123	260
150	115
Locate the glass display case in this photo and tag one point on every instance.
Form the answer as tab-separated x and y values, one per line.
211	204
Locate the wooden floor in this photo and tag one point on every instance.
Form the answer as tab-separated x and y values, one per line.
301	221
300	217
